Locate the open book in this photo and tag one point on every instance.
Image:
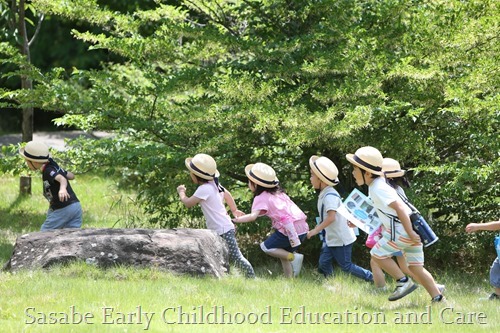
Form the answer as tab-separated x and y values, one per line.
359	210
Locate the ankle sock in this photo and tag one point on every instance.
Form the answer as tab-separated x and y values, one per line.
403	279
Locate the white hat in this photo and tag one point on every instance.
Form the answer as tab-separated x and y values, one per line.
203	166
324	169
35	152
391	168
367	158
262	174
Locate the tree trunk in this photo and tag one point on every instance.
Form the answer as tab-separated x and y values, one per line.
26	83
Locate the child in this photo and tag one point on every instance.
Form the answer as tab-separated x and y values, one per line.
210	195
395	177
65	210
287	219
338	237
398	234
495	267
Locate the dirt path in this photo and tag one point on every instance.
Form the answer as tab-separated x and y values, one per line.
52	139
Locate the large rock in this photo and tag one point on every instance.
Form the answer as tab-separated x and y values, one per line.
185	251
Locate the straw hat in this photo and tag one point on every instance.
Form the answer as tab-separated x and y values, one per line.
203	166
391	168
367	158
262	174
35	152
324	169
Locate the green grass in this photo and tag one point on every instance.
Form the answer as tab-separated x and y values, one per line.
110	299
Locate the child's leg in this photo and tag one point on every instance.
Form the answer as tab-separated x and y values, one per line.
287	268
325	266
378	274
495	276
415	259
235	255
342	255
389	266
403	265
425	279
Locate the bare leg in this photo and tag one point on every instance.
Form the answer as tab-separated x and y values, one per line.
390	266
425	279
378	274
286	258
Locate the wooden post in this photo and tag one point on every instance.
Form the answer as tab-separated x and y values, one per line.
25	185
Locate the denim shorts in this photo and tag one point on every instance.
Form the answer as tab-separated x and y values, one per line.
279	241
495	273
66	217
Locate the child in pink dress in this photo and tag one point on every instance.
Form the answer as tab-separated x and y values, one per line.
287	219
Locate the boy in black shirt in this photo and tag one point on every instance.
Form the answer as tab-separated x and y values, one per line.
65	210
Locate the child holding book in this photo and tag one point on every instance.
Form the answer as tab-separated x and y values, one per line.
338	237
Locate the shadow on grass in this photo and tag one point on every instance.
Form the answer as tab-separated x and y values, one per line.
14	222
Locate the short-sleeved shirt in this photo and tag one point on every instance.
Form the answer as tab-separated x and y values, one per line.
51	186
382	195
212	205
338	233
281	210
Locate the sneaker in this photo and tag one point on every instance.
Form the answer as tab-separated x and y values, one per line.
441	287
493	297
297	263
402	289
438	299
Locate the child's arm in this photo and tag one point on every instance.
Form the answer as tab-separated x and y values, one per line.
490	226
70	175
248	217
63	192
232	204
330	218
400	208
187	201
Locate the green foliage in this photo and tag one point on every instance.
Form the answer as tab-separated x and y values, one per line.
278	81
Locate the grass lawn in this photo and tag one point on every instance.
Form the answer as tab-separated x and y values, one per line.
82	298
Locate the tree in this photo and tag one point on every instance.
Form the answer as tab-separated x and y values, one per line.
277	81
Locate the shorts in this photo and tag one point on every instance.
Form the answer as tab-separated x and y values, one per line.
413	252
279	241
495	273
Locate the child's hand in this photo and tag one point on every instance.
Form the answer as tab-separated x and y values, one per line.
414	237
351	225
238	213
63	195
312	233
181	188
471	227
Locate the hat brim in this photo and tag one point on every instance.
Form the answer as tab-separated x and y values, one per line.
248	168
396	174
187	162
350	158
318	174
38	160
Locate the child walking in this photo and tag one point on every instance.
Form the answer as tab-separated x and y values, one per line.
398	234
495	267
396	178
338	238
210	196
287	219
65	210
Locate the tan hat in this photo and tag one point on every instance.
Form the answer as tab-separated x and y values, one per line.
367	158
262	174
324	169
203	166
35	152
391	168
